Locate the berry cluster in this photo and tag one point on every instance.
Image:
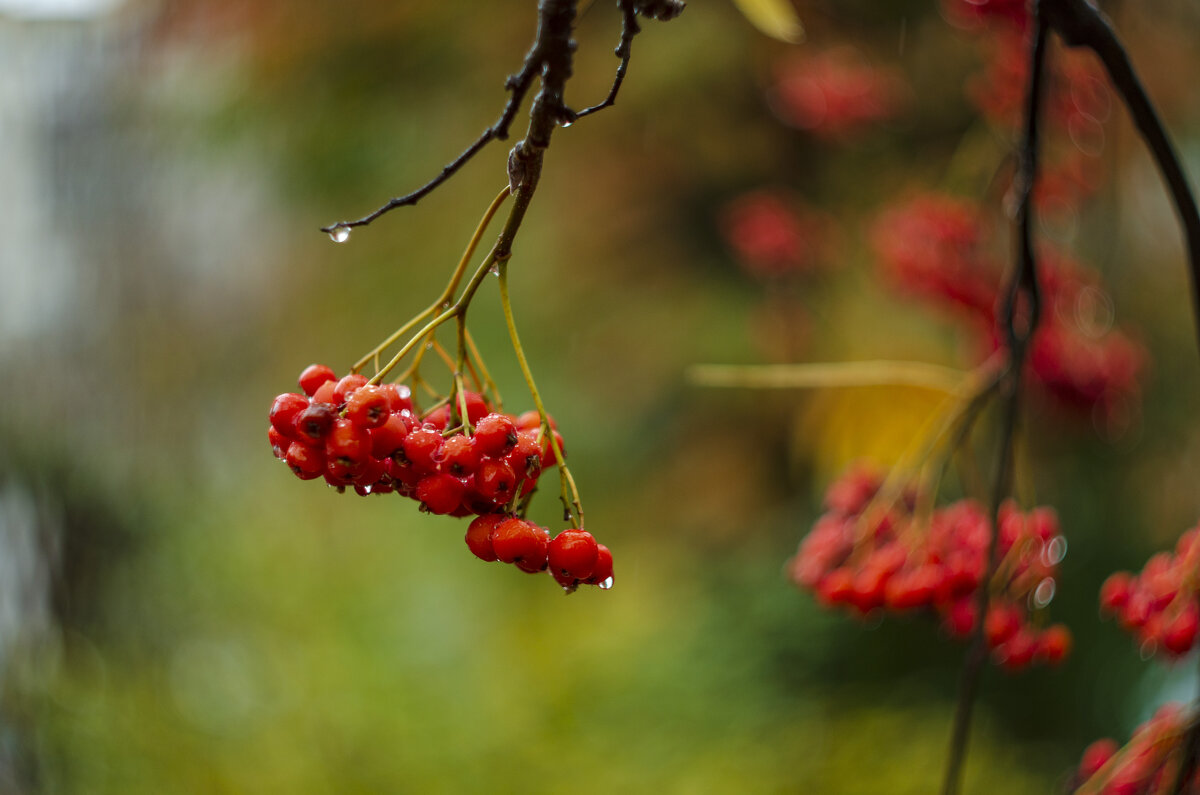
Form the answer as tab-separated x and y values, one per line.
573	557
1148	765
868	557
1159	605
932	247
773	235
352	433
835	95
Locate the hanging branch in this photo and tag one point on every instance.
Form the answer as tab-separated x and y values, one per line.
1019	318
549	58
1081	24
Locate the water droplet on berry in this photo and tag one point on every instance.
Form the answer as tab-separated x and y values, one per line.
607	584
1043	593
1054	550
339	234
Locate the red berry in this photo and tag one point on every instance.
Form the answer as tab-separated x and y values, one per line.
573	554
313	376
460	456
423	448
368	407
307	462
279	442
602	572
836	587
347	387
494	480
440	493
1017	652
959	620
531	419
1096	756
348	444
479	535
315	422
1179	634
324	393
522	542
476	406
495	434
439	418
548	458
284	411
1054	644
389	437
526	457
1001	623
399	397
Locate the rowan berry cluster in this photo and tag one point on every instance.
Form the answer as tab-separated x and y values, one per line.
1148	765
1159	605
933	247
836	94
773	235
573	557
458	459
868	554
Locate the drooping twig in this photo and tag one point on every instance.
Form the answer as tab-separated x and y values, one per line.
549	59
1081	24
629	29
1019	317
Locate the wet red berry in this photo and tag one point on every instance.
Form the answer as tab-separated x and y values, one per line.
313	376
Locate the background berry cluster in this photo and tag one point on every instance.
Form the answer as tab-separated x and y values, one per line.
869	554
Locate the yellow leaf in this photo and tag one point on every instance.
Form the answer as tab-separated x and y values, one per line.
776	18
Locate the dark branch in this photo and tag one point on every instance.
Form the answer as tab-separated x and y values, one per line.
1081	24
1019	329
629	29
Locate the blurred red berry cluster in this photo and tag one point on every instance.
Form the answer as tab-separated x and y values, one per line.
460	458
773	235
1148	765
871	552
1159	605
934	247
835	94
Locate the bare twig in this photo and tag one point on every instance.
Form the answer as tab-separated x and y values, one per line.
1081	24
629	29
1019	327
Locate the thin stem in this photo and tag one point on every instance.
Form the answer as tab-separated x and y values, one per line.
827	375
629	29
489	384
447	293
1019	330
566	481
1082	24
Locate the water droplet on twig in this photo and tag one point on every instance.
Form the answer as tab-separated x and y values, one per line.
339	234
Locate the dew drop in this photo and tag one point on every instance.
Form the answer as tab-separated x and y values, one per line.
494	270
1044	593
1054	551
339	234
607	584
429	346
566	124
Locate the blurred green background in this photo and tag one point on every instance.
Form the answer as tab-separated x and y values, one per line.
179	614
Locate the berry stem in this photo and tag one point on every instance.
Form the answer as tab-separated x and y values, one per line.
566	481
488	384
447	293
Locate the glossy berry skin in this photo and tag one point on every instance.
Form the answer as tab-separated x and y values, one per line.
495	435
440	493
1001	623
399	397
324	393
347	387
279	442
284	411
423	448
307	462
494	480
573	554
526	456
460	456
315	422
479	535
368	407
313	376
1179	632
389	437
348	444
521	542
602	572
